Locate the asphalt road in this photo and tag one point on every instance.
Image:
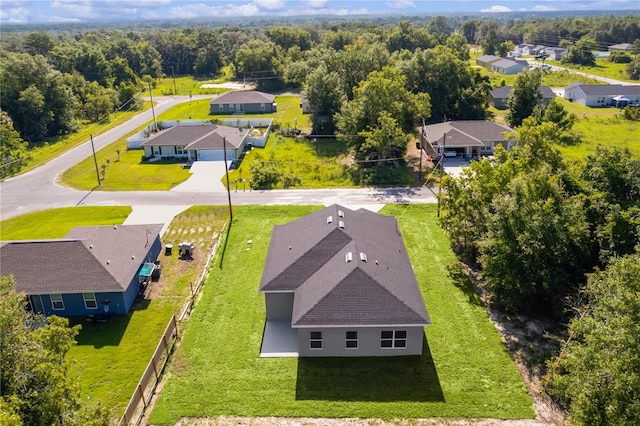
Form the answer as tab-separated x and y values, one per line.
38	189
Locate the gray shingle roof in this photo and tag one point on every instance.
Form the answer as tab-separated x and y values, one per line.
504	92
244	97
607	89
199	137
465	133
506	63
88	259
308	256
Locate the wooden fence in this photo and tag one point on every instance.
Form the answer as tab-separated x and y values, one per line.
146	386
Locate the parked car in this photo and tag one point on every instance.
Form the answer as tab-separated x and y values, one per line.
450	153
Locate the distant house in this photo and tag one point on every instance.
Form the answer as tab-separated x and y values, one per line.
534	50
500	95
594	95
622	47
92	270
522	48
305	105
509	66
486	60
555	53
465	138
243	102
197	143
339	282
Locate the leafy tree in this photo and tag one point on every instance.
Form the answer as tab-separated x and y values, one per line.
265	172
535	246
13	149
490	42
633	68
287	37
458	45
581	53
256	59
35	386
386	141
324	91
38	44
383	92
504	48
596	371
525	95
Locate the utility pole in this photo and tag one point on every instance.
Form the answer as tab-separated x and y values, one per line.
153	111
95	160
175	90
226	173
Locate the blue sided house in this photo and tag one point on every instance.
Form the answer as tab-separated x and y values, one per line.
93	270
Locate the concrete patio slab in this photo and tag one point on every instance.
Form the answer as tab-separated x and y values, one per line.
279	340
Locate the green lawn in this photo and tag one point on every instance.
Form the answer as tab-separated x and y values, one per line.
56	223
185	84
603	68
465	371
109	358
43	152
549	78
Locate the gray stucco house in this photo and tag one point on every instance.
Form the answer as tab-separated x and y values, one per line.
594	95
339	282
243	102
197	143
465	138
500	95
77	274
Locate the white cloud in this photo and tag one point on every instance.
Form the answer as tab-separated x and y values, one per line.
14	14
496	9
270	4
542	8
401	4
314	4
202	11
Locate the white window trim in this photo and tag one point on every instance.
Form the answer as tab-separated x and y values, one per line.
95	301
221	107
53	302
393	340
346	340
312	340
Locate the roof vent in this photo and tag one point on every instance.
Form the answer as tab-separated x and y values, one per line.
329	219
115	227
90	246
363	256
340	213
341	224
289	247
108	262
349	257
133	257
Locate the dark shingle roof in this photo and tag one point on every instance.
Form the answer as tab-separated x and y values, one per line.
465	133
308	256
199	137
607	89
88	259
505	91
244	97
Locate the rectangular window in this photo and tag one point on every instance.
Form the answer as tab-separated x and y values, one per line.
230	107
89	300
179	150
351	340
262	107
56	302
221	106
315	340
393	339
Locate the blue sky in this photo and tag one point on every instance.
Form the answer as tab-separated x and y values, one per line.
32	11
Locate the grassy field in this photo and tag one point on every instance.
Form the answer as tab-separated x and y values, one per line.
465	371
46	151
56	223
549	78
187	84
110	358
603	68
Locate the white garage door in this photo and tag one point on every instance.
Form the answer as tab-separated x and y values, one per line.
211	155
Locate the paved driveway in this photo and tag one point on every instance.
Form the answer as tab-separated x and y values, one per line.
205	176
453	166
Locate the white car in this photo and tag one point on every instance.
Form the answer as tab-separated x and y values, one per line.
450	153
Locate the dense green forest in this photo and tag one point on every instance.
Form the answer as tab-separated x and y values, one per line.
551	238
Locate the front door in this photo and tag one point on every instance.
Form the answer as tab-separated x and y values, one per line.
36	304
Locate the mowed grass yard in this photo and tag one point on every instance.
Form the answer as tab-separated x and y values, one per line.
465	371
110	358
